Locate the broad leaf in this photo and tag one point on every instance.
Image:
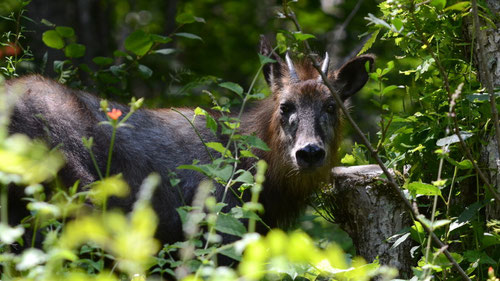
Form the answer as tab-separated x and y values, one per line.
74	50
52	39
139	42
229	225
233	87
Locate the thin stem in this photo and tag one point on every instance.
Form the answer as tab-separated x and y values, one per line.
414	211
196	131
427	271
4	204
94	161
110	152
35	230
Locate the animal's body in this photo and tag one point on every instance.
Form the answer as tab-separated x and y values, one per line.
300	122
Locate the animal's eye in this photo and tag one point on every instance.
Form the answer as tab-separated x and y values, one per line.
330	108
287	108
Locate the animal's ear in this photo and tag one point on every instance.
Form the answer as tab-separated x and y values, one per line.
272	71
352	76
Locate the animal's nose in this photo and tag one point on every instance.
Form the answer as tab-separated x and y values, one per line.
310	155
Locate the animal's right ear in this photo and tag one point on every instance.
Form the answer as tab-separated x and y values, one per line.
272	71
353	75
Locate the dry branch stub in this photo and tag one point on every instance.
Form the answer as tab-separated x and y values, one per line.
365	206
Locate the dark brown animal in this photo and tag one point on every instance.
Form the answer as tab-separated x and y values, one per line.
300	122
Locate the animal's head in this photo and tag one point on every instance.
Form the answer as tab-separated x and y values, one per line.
305	115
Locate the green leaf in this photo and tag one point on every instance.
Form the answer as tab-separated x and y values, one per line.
233	87
186	18
167	51
465	164
432	225
255	142
299	36
47	23
139	42
369	42
210	121
398	24
417	232
160	39
389	88
211	170
348	159
481	256
245	177
466	216
460	6
229	225
74	50
439	4
188	35
265	59
102	61
423	189
66	32
281	42
52	39
217	146
247	154
230	252
145	71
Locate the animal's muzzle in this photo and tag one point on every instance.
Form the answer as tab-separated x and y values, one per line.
310	156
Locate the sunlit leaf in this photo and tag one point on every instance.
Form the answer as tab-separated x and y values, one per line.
217	146
369	42
52	39
423	188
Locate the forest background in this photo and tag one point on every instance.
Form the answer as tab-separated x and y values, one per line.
425	53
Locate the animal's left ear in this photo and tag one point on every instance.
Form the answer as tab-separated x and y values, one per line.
352	76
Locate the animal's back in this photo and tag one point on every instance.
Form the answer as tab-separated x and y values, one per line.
155	141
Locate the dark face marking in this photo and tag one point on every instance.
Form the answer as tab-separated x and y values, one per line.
308	118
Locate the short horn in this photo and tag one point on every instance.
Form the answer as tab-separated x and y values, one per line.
293	74
324	66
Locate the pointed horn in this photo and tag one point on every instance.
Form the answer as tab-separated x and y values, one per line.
293	74
324	66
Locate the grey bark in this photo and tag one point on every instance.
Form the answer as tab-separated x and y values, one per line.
368	210
491	45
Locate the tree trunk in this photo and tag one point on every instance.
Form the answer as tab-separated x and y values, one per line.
368	210
491	47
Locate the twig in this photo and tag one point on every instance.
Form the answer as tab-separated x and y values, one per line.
374	154
196	131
